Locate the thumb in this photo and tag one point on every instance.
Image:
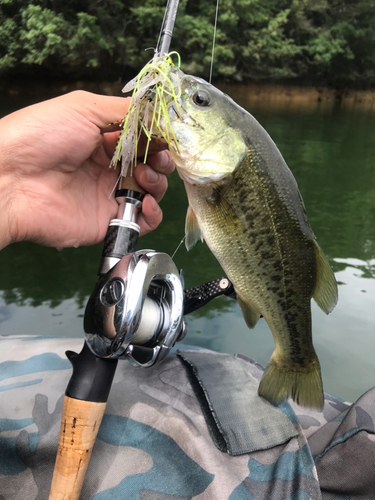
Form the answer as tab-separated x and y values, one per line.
100	110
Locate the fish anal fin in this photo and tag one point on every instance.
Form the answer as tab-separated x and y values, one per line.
250	316
303	385
192	230
325	292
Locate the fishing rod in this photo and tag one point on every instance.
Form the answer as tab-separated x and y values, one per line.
136	311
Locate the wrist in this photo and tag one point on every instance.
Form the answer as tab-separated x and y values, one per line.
8	222
9	182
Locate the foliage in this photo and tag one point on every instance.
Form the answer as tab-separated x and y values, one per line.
316	41
59	39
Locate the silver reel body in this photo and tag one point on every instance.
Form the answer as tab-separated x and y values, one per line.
136	309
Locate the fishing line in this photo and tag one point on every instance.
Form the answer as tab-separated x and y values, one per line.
213	41
181	242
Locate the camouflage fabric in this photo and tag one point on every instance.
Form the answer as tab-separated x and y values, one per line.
161	433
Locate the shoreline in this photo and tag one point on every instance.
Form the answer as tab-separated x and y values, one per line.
301	95
251	92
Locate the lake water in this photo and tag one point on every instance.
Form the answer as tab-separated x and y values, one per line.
331	151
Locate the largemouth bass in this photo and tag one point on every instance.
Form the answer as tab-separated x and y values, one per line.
245	203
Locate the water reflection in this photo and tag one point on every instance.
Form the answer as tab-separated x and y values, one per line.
331	152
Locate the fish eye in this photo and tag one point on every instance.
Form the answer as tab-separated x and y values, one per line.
202	98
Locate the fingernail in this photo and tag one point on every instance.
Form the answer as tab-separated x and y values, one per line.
169	162
167	157
152	176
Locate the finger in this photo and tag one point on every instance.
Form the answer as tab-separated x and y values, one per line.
151	181
154	145
161	162
151	215
110	143
99	109
158	158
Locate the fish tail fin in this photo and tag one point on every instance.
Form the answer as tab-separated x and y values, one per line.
303	384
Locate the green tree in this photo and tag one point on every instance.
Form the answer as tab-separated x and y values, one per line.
343	48
60	40
316	41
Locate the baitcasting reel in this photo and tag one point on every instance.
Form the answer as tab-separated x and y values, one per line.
136	309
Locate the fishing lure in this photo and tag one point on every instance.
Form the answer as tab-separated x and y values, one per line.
155	89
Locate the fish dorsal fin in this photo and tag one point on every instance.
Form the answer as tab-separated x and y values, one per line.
325	293
192	230
250	316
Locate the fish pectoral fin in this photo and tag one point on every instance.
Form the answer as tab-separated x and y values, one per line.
250	316
192	230
325	293
218	202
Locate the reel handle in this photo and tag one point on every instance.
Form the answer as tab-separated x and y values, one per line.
80	423
84	405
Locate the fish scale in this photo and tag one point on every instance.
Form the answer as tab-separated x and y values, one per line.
244	202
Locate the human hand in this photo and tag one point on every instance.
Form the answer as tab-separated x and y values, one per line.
55	179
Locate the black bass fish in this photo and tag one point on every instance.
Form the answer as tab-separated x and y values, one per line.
245	203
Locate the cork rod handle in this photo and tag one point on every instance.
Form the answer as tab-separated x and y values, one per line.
80	423
129	182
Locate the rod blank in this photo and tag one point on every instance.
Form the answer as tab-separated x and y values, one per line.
167	28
